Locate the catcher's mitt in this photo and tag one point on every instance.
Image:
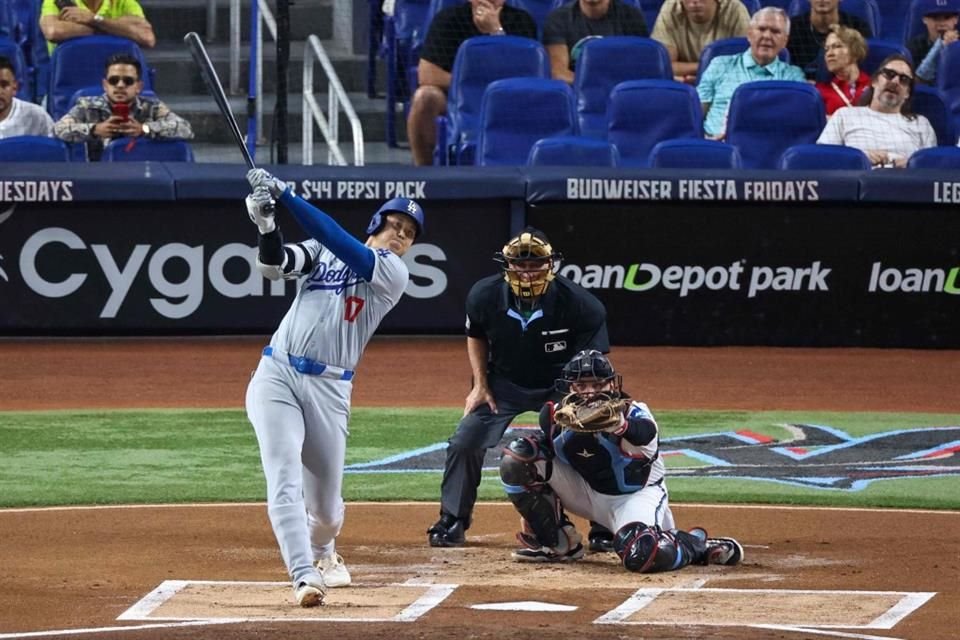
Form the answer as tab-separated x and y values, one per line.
599	412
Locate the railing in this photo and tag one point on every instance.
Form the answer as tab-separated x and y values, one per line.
336	96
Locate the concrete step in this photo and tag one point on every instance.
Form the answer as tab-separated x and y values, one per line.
172	19
177	74
209	126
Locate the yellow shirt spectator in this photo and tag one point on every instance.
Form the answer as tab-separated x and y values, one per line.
67	19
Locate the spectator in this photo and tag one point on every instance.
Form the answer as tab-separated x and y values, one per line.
810	32
844	50
767	34
569	26
67	19
447	31
886	129
19	118
940	18
685	27
120	112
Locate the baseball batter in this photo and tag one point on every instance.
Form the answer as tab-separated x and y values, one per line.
614	476
299	397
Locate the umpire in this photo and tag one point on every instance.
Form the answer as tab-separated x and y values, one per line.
522	327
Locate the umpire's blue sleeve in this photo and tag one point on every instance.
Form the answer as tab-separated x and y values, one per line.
319	225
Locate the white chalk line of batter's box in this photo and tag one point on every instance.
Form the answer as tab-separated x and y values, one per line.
142	610
908	603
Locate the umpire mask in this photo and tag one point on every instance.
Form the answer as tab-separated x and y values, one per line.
529	264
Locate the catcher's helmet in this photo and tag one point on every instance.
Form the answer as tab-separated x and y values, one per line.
398	205
527	249
589	365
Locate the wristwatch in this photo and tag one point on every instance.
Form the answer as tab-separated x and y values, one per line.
146	129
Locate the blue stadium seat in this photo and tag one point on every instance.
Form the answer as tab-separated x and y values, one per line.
727	47
142	149
8	20
480	61
893	18
694	153
768	116
948	82
645	112
80	63
539	9
605	63
650	9
817	157
576	151
409	18
935	158
12	51
33	149
866	10
783	4
878	50
517	112
33	44
930	103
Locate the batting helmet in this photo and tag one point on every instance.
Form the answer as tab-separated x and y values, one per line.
398	205
589	365
529	249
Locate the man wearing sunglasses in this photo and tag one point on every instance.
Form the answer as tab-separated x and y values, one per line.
885	128
120	111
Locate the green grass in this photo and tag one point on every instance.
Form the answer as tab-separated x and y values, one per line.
101	457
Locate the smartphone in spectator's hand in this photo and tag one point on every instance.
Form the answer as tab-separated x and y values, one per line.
63	4
121	110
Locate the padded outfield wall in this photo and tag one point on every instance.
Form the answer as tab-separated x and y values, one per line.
679	258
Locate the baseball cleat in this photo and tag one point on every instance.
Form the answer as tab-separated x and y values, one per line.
546	554
726	551
310	592
447	532
333	570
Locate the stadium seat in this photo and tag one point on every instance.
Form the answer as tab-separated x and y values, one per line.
817	157
33	149
142	149
892	19
783	4
605	63
12	51
768	116
878	50
866	10
577	151
930	103
650	9
409	18
935	158
645	112
694	153
517	112
79	63
539	9
8	20
33	44
480	61
726	47
948	82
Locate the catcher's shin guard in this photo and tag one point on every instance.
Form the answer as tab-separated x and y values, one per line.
528	491
645	549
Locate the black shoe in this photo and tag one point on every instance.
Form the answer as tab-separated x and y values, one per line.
448	531
601	539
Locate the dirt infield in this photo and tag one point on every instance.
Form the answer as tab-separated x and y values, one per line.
810	573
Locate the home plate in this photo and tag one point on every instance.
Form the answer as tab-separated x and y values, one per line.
526	605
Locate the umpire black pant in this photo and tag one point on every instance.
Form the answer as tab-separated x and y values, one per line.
477	432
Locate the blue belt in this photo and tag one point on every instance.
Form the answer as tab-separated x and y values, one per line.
310	367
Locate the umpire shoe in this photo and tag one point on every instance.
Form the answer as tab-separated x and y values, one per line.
310	591
725	551
333	570
448	531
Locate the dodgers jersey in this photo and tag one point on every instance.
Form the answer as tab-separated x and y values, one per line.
336	311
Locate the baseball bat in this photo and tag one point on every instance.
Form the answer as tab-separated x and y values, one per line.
209	75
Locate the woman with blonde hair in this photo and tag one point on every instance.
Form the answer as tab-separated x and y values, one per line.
843	52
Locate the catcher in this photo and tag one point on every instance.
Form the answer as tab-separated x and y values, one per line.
598	457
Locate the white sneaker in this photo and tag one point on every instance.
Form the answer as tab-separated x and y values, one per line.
310	592
333	570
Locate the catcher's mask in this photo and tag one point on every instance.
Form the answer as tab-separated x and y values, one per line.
590	366
529	264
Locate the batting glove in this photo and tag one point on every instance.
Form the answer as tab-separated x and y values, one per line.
261	208
262	178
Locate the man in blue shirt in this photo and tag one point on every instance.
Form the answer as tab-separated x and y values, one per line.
768	34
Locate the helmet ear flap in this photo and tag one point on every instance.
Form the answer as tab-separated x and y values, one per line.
375	223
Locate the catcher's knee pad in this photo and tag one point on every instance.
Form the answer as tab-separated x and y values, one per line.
518	465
